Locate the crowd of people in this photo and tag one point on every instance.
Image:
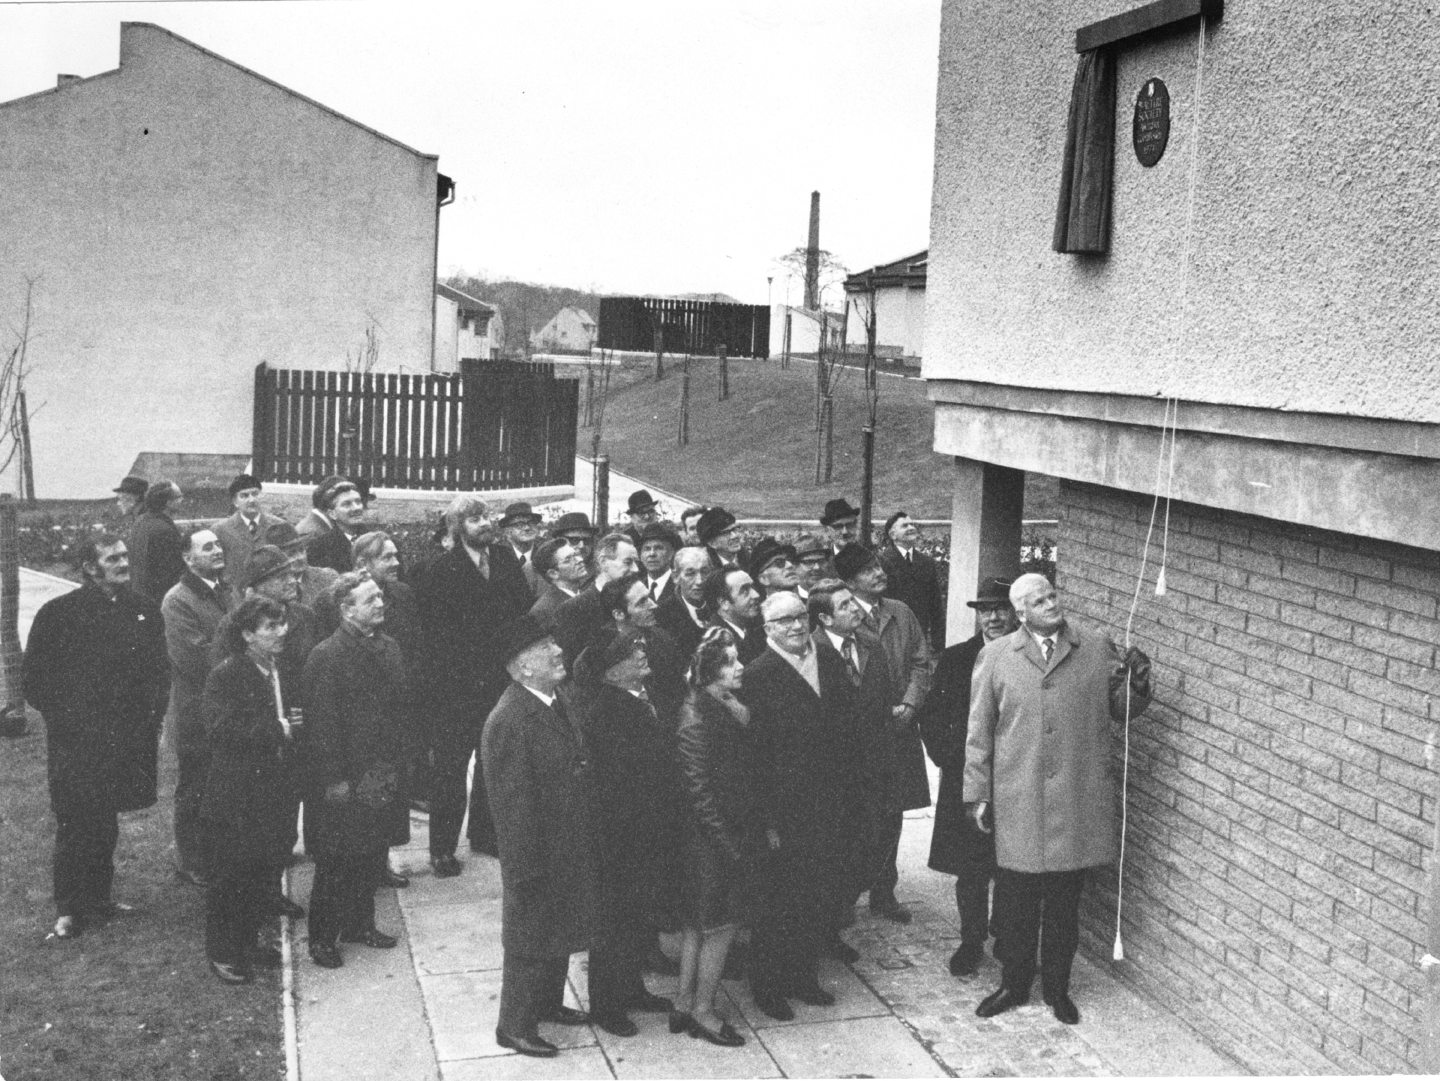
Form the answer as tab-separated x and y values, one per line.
670	732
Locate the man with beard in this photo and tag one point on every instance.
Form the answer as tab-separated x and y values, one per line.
683	613
345	507
892	629
800	708
193	609
957	847
96	669
657	546
581	616
563	570
773	566
465	599
734	602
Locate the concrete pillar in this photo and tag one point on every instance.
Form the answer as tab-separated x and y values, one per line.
985	516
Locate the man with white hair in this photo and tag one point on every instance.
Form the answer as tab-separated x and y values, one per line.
1038	749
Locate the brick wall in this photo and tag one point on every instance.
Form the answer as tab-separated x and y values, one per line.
1282	785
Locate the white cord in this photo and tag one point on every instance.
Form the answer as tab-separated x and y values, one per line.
1171	420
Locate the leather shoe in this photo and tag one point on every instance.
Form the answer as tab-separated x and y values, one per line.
812	995
838	948
645	1002
533	1046
890	909
1000	1001
393	880
229	973
326	955
564	1015
726	1037
775	1006
445	866
680	1021
371	937
285	907
67	927
265	957
1064	1008
966	960
616	1024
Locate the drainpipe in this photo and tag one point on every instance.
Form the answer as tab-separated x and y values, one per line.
444	196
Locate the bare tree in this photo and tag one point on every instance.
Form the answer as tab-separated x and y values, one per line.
14	442
358	364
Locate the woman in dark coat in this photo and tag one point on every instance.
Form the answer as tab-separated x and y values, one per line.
723	827
251	794
636	822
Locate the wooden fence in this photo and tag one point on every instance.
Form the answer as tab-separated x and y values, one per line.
499	424
696	327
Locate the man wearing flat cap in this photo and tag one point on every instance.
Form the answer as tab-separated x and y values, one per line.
540	784
890	628
519	527
718	533
774	566
243	530
129	495
913	576
841	524
957	847
812	564
575	527
314	581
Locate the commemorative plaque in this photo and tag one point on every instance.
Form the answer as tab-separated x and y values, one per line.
1152	122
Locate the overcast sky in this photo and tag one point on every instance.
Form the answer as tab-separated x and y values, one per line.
627	146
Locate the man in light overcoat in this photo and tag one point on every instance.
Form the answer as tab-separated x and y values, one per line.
1038	751
246	528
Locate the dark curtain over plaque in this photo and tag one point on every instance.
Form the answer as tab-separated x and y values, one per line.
1082	219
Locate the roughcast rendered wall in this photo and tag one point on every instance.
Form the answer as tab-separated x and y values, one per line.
1314	274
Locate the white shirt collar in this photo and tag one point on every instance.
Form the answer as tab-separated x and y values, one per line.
548	699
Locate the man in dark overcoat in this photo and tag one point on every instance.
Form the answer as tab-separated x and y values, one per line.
193	610
892	630
733	602
563	573
683	613
96	669
359	734
577	620
800	709
345	507
465	599
835	618
914	577
155	546
957	847
1038	749
540	786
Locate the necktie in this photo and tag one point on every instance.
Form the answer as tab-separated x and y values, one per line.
847	649
652	590
1048	645
254	527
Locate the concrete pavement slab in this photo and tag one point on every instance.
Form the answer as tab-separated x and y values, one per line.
657	1053
463	1007
457	937
581	1063
362	1022
852	999
862	1047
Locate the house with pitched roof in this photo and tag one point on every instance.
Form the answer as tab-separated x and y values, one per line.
895	294
182	219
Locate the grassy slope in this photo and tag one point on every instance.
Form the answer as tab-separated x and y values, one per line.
133	999
755	453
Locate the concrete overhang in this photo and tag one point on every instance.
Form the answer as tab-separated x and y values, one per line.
1372	478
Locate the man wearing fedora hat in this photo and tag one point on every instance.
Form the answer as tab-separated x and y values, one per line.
841	523
957	847
913	576
520	526
775	566
718	532
540	781
243	530
641	510
314	581
890	628
575	527
129	494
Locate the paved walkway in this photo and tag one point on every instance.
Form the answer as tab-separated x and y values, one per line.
427	1011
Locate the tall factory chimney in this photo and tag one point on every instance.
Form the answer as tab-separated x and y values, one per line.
812	256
